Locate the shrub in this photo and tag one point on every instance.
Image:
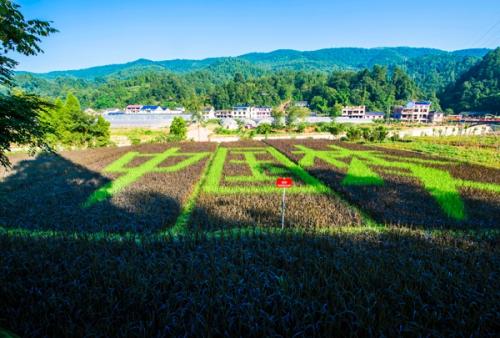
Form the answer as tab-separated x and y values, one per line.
178	129
379	133
334	128
353	134
301	127
264	129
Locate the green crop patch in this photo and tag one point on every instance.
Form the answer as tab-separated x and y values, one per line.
240	191
139	189
262	173
132	174
366	172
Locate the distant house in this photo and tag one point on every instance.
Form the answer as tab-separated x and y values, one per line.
133	108
374	116
151	109
223	114
245	112
435	117
174	111
238	112
413	111
354	112
260	112
208	113
242	112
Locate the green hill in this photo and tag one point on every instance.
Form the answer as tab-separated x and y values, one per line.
478	89
321	60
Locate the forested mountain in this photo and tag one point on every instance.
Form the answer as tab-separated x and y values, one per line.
321	60
478	89
378	88
378	78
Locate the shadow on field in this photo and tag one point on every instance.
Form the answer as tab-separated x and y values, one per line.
403	201
249	284
47	193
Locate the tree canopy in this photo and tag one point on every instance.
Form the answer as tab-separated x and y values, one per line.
19	113
478	89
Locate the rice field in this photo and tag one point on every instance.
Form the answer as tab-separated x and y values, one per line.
185	239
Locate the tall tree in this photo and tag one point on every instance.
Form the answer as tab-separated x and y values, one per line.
19	113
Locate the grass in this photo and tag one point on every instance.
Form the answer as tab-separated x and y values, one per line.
483	150
360	174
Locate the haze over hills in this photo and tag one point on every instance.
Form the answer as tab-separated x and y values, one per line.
319	60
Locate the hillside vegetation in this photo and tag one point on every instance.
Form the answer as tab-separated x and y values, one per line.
478	88
378	78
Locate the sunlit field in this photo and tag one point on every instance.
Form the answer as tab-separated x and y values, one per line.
185	239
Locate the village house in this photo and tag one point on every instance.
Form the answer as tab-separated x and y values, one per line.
413	111
354	112
151	109
260	112
374	115
133	108
175	111
435	117
244	112
208	113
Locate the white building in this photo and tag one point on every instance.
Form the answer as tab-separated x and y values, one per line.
374	116
261	112
208	113
223	114
245	112
242	112
175	111
152	109
133	108
435	117
354	112
413	111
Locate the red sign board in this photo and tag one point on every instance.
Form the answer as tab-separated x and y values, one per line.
284	182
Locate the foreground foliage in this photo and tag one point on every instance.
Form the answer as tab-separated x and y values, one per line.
19	113
253	283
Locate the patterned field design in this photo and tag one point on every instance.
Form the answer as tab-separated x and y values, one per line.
370	176
132	174
139	189
240	191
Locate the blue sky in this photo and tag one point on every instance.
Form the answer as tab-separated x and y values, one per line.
98	32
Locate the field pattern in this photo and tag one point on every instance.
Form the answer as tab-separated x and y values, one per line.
401	187
134	189
240	191
184	239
